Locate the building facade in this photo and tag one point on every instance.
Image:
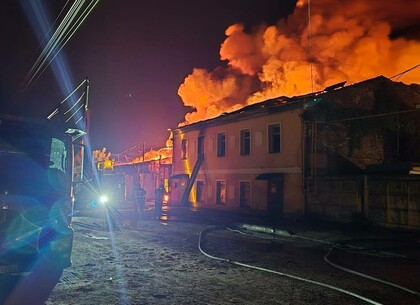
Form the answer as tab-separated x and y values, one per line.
248	159
362	149
346	153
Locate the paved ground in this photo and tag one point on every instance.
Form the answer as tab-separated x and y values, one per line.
200	256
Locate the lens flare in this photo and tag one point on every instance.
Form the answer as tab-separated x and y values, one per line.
103	199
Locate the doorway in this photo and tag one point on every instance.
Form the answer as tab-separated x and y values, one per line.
275	198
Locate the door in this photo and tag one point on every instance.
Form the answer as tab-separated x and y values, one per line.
245	194
275	198
178	186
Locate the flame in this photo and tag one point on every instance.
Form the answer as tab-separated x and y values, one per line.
343	41
163	154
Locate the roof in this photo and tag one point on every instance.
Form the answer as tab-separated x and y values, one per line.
283	103
275	105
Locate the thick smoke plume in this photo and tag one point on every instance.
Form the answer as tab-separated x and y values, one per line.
344	41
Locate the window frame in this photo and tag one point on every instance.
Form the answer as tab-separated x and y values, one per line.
219	198
243	144
271	147
202	188
184	149
221	144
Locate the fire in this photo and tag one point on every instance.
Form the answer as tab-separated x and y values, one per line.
163	154
343	41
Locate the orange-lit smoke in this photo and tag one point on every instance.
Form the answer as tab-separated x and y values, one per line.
345	41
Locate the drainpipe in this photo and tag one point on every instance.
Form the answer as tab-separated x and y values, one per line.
303	144
365	202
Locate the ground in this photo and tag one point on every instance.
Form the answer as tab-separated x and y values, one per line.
202	260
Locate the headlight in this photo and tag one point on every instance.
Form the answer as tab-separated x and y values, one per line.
100	201
103	199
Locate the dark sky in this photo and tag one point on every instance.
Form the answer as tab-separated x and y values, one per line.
135	54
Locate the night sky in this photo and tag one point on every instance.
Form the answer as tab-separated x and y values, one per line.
135	53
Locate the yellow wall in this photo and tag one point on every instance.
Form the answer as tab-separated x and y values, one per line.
234	168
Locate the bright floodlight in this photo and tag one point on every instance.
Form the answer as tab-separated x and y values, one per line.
103	199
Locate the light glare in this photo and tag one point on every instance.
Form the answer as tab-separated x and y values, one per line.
103	199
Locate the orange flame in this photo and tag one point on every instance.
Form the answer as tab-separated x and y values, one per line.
347	40
163	154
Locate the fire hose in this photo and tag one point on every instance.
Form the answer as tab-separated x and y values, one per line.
337	289
341	245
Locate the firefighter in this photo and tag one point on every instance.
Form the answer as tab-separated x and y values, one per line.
159	201
139	196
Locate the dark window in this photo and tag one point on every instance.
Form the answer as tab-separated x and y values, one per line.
274	138
200	145
221	192
221	144
200	191
184	149
245	142
245	194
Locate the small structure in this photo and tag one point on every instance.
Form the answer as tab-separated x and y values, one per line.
362	148
151	169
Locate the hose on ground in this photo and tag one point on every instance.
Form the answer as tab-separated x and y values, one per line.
340	245
365	275
367	300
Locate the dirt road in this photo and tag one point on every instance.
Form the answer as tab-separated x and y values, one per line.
160	263
198	258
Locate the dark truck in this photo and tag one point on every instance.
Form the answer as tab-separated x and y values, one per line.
37	176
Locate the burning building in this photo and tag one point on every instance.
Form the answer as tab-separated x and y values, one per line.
151	168
247	146
320	154
337	41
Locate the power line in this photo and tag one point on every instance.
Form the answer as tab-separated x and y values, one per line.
398	76
65	31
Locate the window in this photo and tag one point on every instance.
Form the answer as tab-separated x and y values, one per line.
221	144
221	192
274	138
245	194
200	146
184	149
245	142
33	164
58	155
199	191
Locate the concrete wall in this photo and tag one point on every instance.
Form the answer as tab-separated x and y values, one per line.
394	201
335	198
388	200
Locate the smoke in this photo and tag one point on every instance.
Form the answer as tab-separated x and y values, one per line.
345	41
212	93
